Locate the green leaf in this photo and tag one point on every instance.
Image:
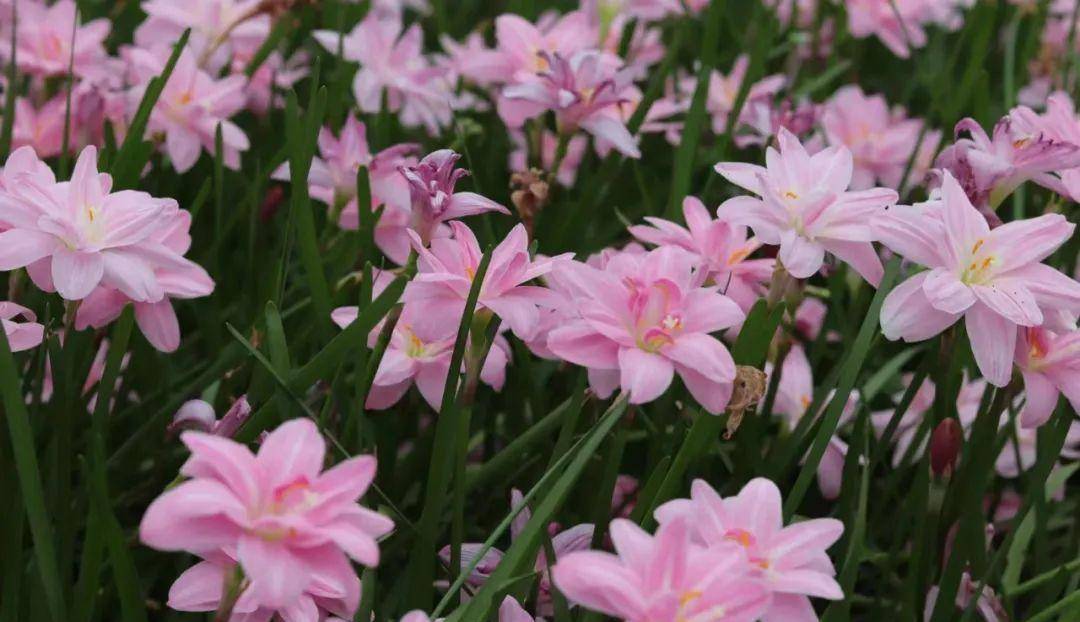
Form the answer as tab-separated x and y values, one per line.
130	159
849	373
26	463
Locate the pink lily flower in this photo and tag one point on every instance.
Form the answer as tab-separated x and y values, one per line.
991	168
881	140
720	247
447	269
42	128
432	197
200	416
192	106
416	356
724	91
901	26
332	180
644	317
762	119
563	543
75	235
663	578
43	40
24	334
994	279
393	62
419	353
805	207
179	277
334	589
1050	364
509	611
585	92
988	603
524	49
288	523
220	29
792	561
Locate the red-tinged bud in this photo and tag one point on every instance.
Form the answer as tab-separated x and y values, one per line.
275	196
945	444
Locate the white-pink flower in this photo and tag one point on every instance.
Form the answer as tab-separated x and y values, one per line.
805	207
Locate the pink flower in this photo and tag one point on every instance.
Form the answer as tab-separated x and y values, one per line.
509	611
805	207
447	269
988	603
21	335
989	169
994	279
220	29
332	180
881	140
75	235
900	25
179	278
201	587
192	106
199	415
584	92
724	91
393	62
41	128
721	249
44	40
643	318
524	49
663	578
1050	364
432	196
563	543
792	561
549	142
285	521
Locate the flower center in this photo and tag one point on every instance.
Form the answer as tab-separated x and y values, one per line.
979	268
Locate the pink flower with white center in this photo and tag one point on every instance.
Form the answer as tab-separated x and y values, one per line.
286	522
643	318
663	578
1050	364
192	106
20	326
446	272
721	248
332	180
585	92
419	353
179	277
220	29
524	49
432	196
73	236
805	207
792	561
990	168
563	542
724	91
881	140
43	40
994	279
393	62
333	590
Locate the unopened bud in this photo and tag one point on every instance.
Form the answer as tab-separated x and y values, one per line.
945	444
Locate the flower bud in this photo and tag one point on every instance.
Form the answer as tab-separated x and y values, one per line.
945	444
